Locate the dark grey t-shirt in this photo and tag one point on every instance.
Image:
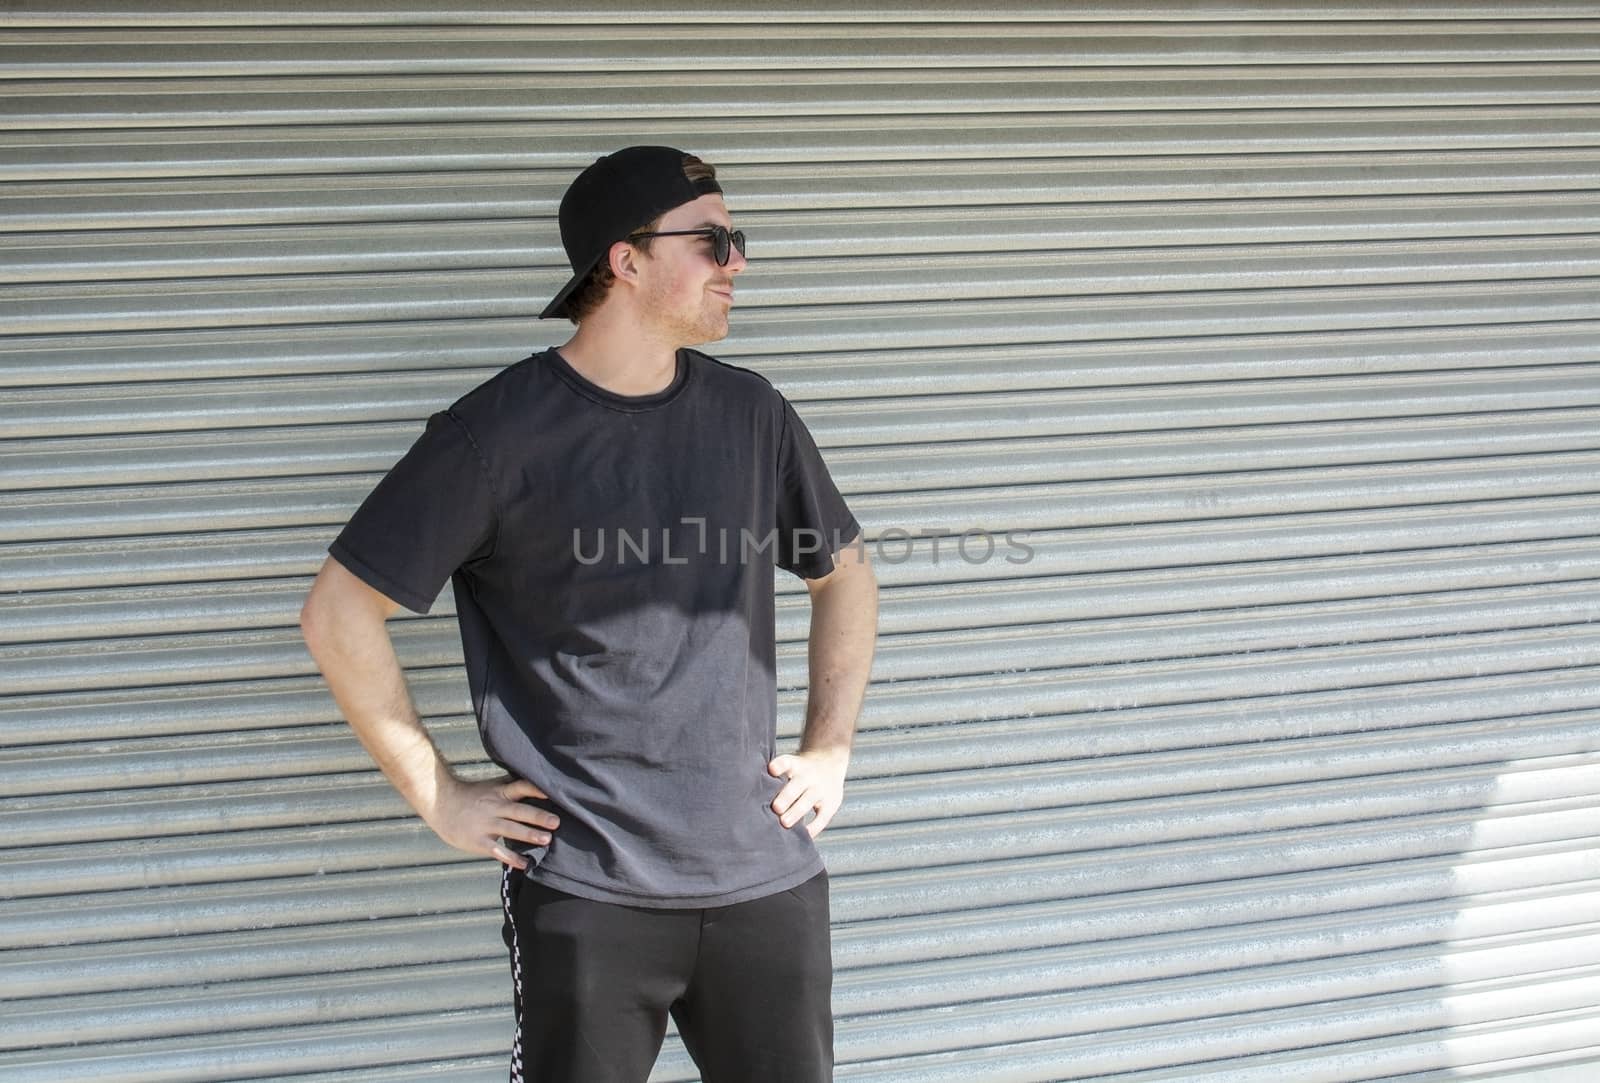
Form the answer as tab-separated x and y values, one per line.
612	559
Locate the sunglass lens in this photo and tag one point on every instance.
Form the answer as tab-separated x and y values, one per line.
720	240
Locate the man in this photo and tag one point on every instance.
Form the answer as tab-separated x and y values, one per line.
610	512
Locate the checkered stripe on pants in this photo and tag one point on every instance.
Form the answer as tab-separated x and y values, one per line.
516	973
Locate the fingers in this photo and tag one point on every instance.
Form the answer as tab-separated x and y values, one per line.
529	815
791	811
810	801
806	790
822	819
506	856
793	790
787	796
795	800
519	788
513	792
510	829
490	816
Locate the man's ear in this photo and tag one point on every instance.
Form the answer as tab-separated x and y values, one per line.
624	259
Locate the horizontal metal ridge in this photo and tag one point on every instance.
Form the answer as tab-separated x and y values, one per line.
1188	839
384	292
290	50
390	99
365	14
1542	1038
286	903
1297	925
55	462
1380	532
1112	594
220	556
1058	895
921	732
908	414
1046	1045
780	278
1575	1065
196	1059
251	954
1063	640
1079	274
354	150
1141	987
894	517
1416	229
416	275
1217	679
1378	907
888	743
1178	836
491	1068
261	1004
1135	985
920	1035
956	888
1070	640
239	103
1020	692
461	22
284	780
1380	715
212	708
96	613
1165	200
1211	497
1502	767
295	51
372	300
365	357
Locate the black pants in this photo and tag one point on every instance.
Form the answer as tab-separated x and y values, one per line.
749	986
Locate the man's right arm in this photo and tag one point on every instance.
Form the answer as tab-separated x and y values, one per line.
344	624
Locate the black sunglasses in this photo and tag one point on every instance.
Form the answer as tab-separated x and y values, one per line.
721	240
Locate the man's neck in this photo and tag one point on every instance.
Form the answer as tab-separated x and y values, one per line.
612	355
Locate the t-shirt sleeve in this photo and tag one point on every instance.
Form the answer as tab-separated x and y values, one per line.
813	520
433	512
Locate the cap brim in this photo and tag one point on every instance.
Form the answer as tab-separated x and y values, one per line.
558	306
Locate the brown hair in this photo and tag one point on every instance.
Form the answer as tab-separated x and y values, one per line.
588	297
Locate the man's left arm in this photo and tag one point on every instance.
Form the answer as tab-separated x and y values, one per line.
844	631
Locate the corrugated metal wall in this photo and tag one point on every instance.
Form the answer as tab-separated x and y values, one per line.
1276	325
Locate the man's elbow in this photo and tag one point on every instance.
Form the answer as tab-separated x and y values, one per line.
316	616
336	600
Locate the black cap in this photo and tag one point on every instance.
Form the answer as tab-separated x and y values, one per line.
618	194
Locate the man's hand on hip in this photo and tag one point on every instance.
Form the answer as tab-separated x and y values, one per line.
482	817
815	782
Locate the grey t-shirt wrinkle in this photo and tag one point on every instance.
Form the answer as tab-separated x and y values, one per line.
636	685
488	478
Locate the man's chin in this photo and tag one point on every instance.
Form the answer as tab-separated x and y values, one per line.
704	335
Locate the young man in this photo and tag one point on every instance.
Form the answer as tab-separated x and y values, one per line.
610	512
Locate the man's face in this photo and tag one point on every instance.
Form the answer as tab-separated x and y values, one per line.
682	292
